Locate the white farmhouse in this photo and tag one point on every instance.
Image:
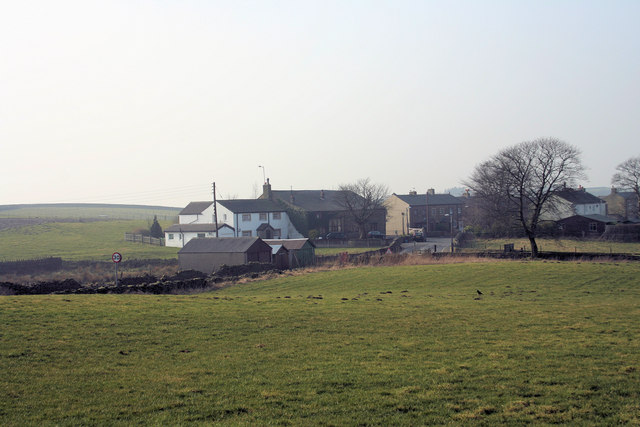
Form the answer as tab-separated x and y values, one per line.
197	213
570	202
179	235
257	218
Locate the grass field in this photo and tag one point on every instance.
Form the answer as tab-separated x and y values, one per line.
414	345
83	211
561	245
336	251
95	240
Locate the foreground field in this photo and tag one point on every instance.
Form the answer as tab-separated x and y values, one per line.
544	343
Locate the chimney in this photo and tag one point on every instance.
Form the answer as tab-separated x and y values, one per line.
266	191
581	188
413	193
431	191
321	194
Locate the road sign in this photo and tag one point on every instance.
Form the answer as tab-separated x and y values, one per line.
116	257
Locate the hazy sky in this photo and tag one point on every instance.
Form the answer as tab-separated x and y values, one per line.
149	102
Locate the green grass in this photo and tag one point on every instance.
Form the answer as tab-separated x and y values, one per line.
336	251
562	245
78	211
546	343
95	240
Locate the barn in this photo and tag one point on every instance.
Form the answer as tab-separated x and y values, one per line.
208	254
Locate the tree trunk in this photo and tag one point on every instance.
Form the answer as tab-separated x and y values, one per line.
534	247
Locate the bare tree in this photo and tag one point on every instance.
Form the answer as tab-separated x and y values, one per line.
363	200
628	176
523	178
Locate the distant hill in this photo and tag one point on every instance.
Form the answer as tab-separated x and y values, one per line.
88	210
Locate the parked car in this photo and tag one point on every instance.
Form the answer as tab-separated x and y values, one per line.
375	235
335	236
418	236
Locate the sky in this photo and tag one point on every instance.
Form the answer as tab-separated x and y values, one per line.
150	102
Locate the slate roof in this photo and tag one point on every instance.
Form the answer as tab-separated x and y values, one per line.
264	226
627	194
311	200
413	199
176	228
291	244
195	208
598	218
578	197
220	244
276	248
251	205
443	199
433	199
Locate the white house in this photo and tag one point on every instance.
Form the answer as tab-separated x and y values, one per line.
257	218
179	235
197	213
570	202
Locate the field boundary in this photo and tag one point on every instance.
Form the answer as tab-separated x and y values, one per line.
139	238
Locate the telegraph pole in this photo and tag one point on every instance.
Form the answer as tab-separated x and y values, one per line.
215	208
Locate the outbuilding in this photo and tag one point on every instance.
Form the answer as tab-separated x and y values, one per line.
302	252
208	254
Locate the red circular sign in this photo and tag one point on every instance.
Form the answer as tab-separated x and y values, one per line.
116	257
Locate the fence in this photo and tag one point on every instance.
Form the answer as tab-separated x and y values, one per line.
139	238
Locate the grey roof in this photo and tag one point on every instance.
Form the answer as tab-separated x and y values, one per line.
264	226
195	208
443	199
291	244
176	228
220	244
578	197
627	194
311	200
599	218
276	248
413	199
432	199
251	205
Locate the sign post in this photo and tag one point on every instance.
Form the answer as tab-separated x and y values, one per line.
116	258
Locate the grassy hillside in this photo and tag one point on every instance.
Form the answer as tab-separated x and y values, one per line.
414	345
89	210
95	240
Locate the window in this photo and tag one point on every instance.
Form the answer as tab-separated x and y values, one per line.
200	235
224	217
263	216
246	233
593	226
246	217
170	236
276	215
441	211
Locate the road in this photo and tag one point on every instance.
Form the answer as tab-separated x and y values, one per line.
442	244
